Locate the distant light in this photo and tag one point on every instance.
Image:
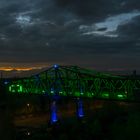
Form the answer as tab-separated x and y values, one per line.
6	82
28	133
28	105
55	66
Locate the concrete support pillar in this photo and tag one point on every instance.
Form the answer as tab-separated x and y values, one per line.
80	110
53	112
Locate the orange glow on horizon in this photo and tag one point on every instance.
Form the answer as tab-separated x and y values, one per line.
18	68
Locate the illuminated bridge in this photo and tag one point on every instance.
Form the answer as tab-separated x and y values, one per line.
77	82
73	81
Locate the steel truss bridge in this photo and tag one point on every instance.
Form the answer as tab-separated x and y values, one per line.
73	81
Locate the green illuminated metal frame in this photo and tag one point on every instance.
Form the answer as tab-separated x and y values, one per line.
77	82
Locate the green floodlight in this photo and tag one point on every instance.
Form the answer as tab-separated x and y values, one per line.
120	96
52	91
105	95
10	88
15	88
43	91
20	88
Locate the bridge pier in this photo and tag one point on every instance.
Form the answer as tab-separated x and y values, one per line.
79	108
53	112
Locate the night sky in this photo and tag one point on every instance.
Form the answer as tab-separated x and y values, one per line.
97	34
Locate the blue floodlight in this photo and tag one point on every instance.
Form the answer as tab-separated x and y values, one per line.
80	111
6	82
54	117
55	66
81	91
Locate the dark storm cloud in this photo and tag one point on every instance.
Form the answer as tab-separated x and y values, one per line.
131	29
88	8
97	9
64	31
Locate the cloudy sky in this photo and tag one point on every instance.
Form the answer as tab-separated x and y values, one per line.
97	34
